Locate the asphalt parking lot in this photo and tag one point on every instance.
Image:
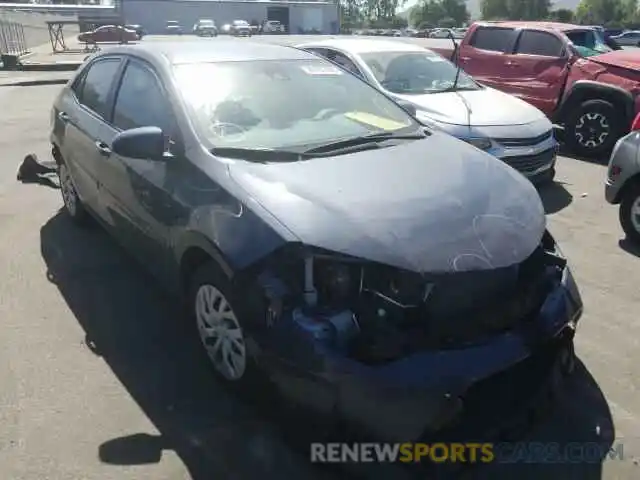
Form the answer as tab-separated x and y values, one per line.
100	380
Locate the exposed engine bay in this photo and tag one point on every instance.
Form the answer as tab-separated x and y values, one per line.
374	313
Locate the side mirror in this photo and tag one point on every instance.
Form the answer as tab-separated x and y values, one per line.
144	143
408	107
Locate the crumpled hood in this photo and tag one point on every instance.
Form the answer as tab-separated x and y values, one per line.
489	107
431	205
627	58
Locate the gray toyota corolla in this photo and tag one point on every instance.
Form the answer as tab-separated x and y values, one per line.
376	272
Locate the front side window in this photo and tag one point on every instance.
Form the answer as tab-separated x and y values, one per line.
543	44
283	104
141	101
97	85
416	73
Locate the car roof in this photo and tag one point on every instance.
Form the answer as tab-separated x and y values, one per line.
193	51
553	26
363	45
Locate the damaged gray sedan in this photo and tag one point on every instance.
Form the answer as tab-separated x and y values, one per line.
381	274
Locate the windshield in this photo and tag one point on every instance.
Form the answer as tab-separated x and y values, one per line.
588	43
283	104
206	23
416	73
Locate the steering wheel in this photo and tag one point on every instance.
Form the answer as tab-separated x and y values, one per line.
229	131
326	113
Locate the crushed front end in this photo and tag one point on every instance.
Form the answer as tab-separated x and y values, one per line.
405	356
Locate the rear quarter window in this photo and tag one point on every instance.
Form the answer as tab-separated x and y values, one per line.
495	39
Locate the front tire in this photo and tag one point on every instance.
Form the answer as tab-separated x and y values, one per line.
214	307
593	128
630	214
72	203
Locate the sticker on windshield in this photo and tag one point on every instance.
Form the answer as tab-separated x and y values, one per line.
321	70
375	120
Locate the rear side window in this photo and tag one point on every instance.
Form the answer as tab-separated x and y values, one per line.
532	42
493	39
95	89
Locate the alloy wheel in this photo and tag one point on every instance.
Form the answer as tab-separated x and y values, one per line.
592	129
220	332
635	214
68	190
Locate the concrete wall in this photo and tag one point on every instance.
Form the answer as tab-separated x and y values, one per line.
153	14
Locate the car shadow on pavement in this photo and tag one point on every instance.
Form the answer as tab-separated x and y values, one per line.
554	197
629	247
137	331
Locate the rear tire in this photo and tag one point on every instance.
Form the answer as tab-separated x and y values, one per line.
593	128
629	213
72	203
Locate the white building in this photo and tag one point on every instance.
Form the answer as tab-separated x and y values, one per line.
298	17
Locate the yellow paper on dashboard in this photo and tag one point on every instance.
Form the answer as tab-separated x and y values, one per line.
375	121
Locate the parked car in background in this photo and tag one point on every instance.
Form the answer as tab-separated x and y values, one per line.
323	284
240	28
441	33
622	185
273	27
226	29
444	98
108	34
205	28
459	33
138	29
173	27
628	39
568	71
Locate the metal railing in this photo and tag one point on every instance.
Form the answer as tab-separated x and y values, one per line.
12	39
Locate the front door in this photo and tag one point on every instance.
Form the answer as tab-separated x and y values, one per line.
137	188
537	71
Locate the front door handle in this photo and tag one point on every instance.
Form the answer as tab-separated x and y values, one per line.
63	117
103	149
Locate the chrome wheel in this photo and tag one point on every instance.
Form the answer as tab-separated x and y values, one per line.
635	214
592	130
68	189
220	332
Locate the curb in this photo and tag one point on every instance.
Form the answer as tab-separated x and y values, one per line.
35	83
49	67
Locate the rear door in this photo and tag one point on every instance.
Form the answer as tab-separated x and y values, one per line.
486	53
537	71
84	114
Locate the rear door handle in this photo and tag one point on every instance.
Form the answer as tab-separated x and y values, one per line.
465	59
103	149
63	117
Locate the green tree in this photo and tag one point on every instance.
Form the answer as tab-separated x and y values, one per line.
433	12
563	15
600	12
515	9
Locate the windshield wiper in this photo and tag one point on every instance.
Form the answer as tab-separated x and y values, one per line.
362	142
260	155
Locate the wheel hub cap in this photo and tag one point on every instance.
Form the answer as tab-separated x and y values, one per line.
69	195
592	130
635	214
220	332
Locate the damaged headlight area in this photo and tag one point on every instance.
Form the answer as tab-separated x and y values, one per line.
375	313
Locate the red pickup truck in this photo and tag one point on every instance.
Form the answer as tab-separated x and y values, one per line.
589	90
